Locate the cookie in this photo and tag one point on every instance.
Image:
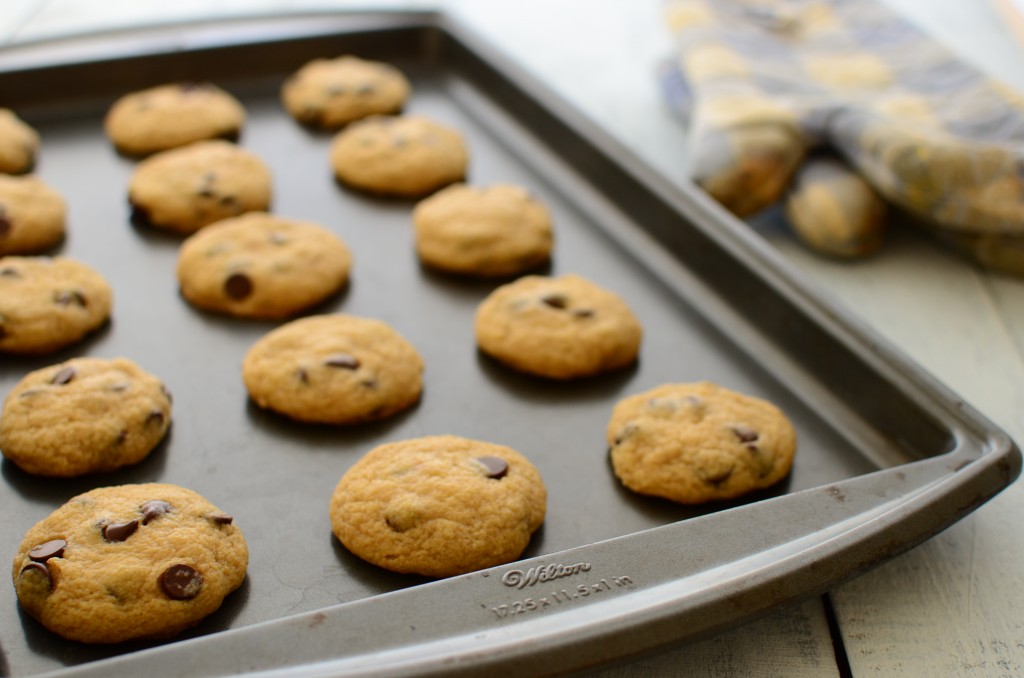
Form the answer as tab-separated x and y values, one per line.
700	442
47	304
169	116
334	369
561	328
19	144
262	266
331	93
31	215
494	231
438	506
184	189
84	416
129	562
400	156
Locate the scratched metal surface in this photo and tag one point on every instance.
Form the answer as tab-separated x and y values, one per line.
276	476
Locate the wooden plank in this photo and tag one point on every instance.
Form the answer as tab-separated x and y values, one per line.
793	641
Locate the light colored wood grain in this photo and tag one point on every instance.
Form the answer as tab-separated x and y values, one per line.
791	642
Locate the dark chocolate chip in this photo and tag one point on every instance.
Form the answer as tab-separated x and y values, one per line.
238	286
583	313
139	216
68	297
120	531
222	519
153	509
51	549
302	375
745	434
63	376
5	225
497	467
206	192
122	436
9	273
40	568
228	201
558	301
342	360
181	582
155	417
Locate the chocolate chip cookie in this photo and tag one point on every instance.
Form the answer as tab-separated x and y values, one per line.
331	93
693	443
173	115
400	156
184	189
561	328
334	369
262	266
438	506
47	304
482	231
84	416
129	562
31	215
19	144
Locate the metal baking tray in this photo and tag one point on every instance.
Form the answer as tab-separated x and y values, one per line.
887	456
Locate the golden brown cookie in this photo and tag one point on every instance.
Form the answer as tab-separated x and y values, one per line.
169	116
19	144
333	92
47	304
262	266
438	506
184	189
487	231
129	562
693	443
31	215
560	328
334	369
402	156
84	416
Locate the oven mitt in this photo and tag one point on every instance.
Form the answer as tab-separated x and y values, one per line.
842	103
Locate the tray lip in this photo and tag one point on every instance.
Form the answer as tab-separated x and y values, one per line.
982	446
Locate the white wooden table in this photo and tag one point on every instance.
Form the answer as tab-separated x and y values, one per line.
951	607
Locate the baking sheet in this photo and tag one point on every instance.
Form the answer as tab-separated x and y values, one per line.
712	300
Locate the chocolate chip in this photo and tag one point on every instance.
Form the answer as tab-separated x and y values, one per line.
63	376
139	215
497	467
558	301
717	477
238	286
5	225
122	436
153	509
181	582
120	531
302	375
744	434
206	192
9	273
342	360
228	201
368	383
222	519
583	313
366	89
51	549
40	568
68	297
155	417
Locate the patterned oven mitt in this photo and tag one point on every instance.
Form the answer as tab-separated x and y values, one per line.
768	84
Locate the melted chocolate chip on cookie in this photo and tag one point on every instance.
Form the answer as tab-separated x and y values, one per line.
181	582
152	510
51	549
